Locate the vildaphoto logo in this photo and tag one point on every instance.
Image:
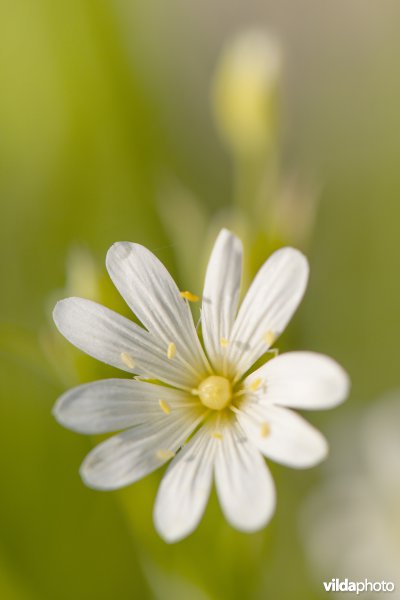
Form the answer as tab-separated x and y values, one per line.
337	585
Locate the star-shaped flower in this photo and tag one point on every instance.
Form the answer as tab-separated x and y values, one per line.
198	403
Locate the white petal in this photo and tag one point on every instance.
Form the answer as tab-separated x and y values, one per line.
283	436
112	404
244	484
302	380
185	488
109	337
134	453
221	295
153	296
267	308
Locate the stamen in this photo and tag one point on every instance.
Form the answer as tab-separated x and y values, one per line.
165	454
127	360
254	386
269	337
224	342
217	435
165	407
189	296
265	430
171	350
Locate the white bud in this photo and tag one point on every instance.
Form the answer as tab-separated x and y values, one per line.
244	91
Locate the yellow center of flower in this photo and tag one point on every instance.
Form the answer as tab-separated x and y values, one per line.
215	392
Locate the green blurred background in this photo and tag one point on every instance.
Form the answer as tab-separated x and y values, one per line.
105	119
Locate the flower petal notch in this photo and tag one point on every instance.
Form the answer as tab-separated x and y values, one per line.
207	409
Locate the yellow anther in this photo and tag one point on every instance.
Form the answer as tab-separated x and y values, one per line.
265	430
254	386
224	342
269	337
165	407
171	350
215	392
165	454
217	435
127	360
189	296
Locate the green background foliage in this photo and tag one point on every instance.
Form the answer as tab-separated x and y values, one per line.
104	114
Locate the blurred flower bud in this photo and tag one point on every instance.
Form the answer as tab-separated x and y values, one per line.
351	522
82	278
82	274
244	92
178	205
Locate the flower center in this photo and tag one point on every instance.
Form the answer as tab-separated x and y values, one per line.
215	392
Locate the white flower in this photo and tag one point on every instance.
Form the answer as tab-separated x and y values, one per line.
199	406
